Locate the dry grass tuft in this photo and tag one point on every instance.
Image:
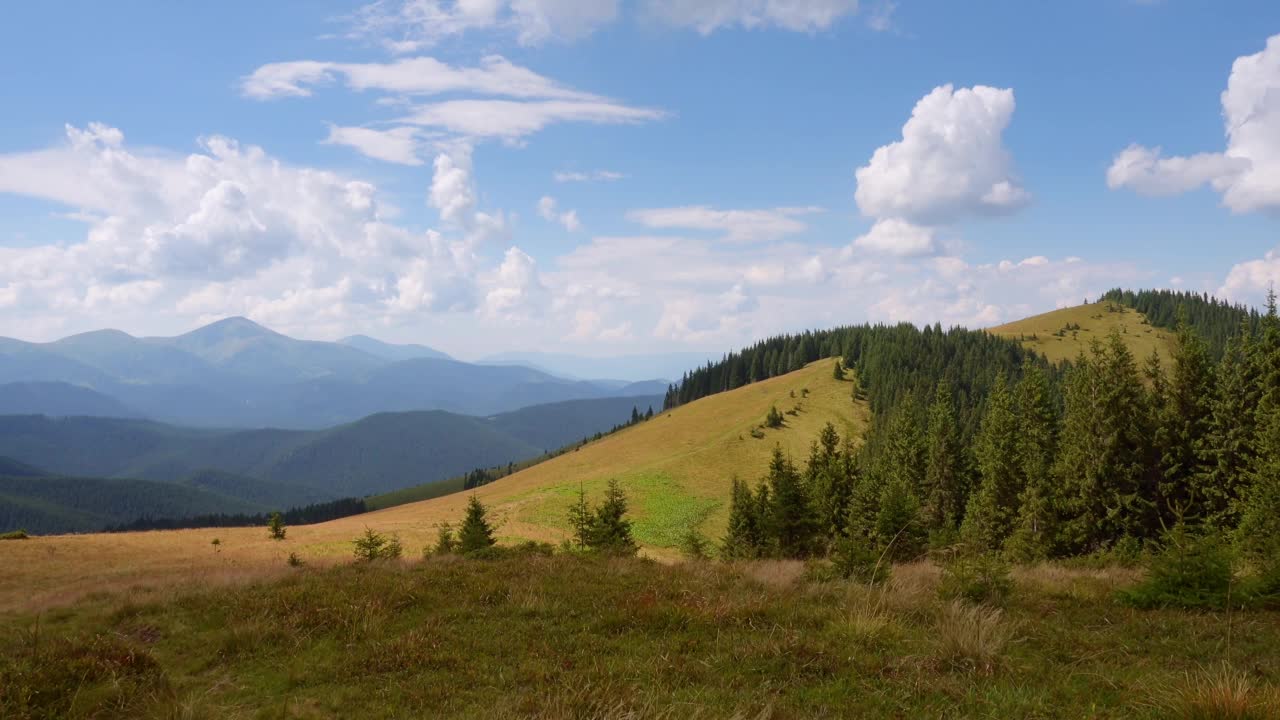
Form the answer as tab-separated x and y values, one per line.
1083	584
972	637
778	574
866	615
1220	693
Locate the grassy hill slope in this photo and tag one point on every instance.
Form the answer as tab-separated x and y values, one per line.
1054	334
676	468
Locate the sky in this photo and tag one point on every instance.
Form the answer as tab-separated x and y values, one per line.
621	176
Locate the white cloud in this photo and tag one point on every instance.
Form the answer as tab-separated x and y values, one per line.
708	16
512	120
1146	171
881	17
420	76
409	25
951	161
452	191
737	225
1247	173
231	230
548	210
1249	281
897	237
399	145
515	289
593	176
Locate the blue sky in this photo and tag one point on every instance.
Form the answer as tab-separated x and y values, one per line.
611	176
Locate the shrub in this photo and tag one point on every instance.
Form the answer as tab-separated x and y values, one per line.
774	418
977	578
972	637
15	535
532	547
376	546
294	560
856	559
1192	571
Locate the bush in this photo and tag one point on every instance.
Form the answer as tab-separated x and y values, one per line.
1192	571
294	560
15	535
857	560
376	546
978	578
774	418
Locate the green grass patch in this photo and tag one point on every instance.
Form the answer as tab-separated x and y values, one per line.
661	509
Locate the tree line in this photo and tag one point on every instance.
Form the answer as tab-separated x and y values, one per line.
305	515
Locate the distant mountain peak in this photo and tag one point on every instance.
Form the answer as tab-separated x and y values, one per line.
236	326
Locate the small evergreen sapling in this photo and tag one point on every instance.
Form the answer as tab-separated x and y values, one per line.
275	526
475	534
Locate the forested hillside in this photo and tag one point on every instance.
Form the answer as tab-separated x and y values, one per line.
1112	454
1215	321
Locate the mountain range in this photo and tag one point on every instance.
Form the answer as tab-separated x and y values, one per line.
55	470
236	373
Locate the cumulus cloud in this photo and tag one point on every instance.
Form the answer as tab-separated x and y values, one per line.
1247	173
548	210
410	25
231	230
951	161
1251	280
897	237
708	16
736	225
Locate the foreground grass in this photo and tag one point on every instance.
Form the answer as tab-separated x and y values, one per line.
570	637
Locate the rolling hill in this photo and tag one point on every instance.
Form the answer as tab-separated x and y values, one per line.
1063	334
275	469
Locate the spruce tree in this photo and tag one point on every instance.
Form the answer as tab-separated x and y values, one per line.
581	520
756	373
993	508
1232	432
476	533
275	526
794	525
1035	529
611	530
742	540
829	475
898	531
1185	422
944	488
838	371
1104	463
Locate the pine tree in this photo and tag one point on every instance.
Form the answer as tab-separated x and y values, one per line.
838	371
742	541
944	490
756	373
1036	526
898	532
1104	459
993	508
1232	432
275	526
1184	424
830	477
446	543
581	520
794	525
475	534
610	530
774	418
